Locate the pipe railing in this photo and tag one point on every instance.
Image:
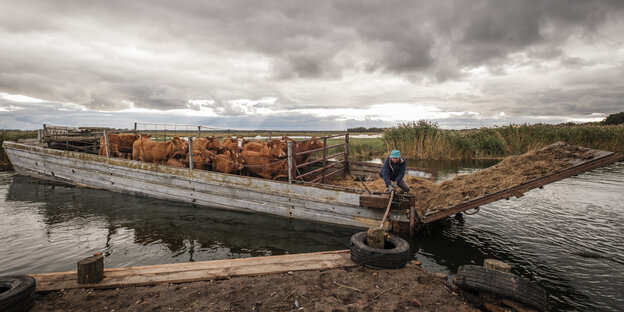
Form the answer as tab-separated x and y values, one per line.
293	167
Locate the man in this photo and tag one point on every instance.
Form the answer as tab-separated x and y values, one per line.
393	171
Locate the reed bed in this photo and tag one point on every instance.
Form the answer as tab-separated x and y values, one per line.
425	140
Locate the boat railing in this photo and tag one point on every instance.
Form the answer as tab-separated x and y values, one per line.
338	152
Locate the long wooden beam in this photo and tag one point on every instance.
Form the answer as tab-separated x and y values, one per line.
198	271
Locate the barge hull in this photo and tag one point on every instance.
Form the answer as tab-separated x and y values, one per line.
332	205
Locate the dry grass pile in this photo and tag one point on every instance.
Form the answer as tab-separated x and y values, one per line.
510	172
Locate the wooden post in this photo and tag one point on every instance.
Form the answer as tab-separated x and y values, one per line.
346	160
497	265
324	158
39	135
190	152
294	160
135	127
106	144
412	219
199	131
376	238
290	162
91	269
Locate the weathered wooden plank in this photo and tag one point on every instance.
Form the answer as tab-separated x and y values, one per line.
198	271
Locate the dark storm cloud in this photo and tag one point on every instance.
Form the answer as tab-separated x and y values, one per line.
161	54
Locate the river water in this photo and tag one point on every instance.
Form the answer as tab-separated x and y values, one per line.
567	237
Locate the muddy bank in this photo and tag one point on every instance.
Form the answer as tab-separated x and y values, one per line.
511	171
349	289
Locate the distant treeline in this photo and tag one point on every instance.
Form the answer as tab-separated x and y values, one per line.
363	129
425	140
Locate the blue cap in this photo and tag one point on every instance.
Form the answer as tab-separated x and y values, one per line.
395	154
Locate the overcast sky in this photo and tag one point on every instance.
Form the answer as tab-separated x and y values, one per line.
309	64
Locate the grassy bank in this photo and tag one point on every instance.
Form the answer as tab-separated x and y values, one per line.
12	135
424	140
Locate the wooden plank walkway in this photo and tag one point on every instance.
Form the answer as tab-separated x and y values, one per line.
198	271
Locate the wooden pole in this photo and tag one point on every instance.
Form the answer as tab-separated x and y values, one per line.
376	238
199	131
190	153
346	160
294	160
324	158
91	269
290	163
387	209
106	144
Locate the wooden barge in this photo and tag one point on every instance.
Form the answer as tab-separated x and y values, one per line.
307	201
312	201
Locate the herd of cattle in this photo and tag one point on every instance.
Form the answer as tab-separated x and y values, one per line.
232	155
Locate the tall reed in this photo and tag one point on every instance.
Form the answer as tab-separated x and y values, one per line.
425	140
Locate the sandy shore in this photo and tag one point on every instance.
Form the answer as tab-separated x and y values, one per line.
345	289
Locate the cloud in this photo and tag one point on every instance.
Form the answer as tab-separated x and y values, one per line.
485	56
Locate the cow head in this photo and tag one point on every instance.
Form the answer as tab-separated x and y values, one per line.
316	144
179	146
213	143
276	149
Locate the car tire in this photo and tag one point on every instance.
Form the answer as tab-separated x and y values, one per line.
505	285
394	256
18	293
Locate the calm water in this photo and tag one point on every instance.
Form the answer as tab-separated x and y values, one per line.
567	237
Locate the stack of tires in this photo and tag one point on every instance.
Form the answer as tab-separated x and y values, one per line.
395	254
17	293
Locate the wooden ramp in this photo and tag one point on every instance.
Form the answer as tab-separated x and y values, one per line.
198	271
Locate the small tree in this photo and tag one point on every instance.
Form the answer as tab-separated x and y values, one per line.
614	119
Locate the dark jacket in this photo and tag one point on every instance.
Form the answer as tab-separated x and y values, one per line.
393	172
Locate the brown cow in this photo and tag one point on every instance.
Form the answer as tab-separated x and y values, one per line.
228	161
175	162
232	143
209	143
265	165
202	158
307	146
274	148
148	150
123	142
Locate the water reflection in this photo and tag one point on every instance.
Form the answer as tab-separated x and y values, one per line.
164	230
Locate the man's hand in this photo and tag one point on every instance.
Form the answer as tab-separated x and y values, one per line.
394	185
390	188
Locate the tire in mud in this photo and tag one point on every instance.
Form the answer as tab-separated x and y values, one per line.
395	255
17	293
505	285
